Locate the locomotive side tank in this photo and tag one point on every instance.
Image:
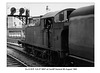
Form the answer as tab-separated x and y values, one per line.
81	34
33	31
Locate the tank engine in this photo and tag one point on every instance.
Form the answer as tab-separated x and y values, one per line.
61	34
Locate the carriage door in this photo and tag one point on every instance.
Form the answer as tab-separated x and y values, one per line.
64	40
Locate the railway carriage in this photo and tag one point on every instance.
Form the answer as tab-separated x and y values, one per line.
81	35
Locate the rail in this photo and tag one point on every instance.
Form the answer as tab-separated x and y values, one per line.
17	60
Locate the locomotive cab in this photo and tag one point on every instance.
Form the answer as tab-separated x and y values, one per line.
55	34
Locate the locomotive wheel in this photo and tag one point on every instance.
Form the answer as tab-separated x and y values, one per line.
45	55
54	58
27	50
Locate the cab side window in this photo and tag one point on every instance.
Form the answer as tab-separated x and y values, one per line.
61	17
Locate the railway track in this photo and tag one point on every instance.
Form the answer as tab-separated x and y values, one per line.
36	60
14	62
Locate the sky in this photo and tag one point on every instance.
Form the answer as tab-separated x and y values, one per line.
39	8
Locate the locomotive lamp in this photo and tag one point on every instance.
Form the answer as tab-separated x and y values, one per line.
13	10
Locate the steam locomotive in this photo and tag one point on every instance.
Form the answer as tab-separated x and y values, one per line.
67	33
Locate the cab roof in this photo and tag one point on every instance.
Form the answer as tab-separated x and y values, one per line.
83	11
53	14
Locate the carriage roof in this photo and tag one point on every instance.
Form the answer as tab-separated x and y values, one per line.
83	11
53	14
